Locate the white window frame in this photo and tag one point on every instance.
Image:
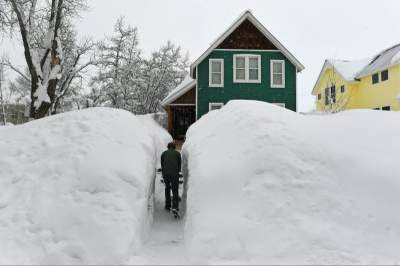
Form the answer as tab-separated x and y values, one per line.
210	84
210	105
283	74
280	105
246	68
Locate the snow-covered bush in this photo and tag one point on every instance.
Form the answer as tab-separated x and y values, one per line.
75	188
269	186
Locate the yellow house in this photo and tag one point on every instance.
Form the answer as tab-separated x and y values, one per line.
372	83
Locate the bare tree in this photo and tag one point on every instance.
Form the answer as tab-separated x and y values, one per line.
127	80
165	70
45	61
1	93
335	101
80	58
119	65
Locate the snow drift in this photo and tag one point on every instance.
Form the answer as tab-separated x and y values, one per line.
74	188
269	186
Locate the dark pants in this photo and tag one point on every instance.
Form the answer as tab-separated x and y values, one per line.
172	183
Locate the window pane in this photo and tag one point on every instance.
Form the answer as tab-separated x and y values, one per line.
327	96
384	75
240	62
333	94
277	67
375	78
253	74
253	62
240	74
216	78
278	79
216	67
215	107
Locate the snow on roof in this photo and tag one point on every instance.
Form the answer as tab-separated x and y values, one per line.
353	70
348	69
248	15
383	60
181	89
396	58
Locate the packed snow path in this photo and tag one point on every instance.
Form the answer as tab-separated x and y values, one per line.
165	244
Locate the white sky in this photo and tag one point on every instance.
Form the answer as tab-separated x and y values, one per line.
311	29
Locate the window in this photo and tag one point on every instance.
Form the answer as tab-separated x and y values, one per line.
277	74
319	96
216	73
385	108
247	68
280	104
342	89
333	94
385	75
327	95
375	78
214	106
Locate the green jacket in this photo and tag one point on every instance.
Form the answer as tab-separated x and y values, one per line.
171	163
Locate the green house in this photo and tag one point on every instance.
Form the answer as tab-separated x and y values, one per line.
245	62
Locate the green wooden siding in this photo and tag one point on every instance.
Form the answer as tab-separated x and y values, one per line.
248	91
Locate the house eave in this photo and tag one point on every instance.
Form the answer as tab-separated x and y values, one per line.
364	75
169	100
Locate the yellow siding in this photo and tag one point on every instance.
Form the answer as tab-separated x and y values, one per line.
362	94
331	77
381	94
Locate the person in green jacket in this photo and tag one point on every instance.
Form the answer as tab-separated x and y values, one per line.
171	166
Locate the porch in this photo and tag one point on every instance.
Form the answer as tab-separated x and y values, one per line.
180	106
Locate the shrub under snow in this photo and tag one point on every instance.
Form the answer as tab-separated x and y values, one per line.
74	188
269	186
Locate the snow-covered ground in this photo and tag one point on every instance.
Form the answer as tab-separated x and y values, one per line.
75	188
269	186
265	186
166	245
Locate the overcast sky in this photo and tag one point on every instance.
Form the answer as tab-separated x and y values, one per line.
311	29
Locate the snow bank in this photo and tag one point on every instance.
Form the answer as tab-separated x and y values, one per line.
269	186
74	188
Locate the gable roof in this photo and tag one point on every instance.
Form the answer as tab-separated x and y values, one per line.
180	90
247	15
352	71
348	70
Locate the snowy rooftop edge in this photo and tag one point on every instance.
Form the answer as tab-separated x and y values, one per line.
179	90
